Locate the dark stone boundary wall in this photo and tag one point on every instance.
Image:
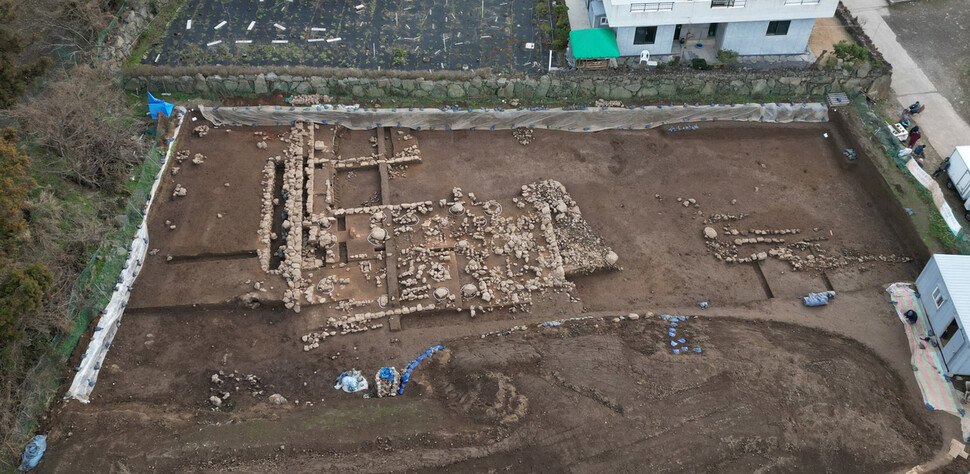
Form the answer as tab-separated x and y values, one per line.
727	85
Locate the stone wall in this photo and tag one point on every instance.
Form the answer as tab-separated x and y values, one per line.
672	84
124	34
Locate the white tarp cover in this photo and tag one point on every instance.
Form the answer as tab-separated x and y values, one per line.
586	119
929	183
110	320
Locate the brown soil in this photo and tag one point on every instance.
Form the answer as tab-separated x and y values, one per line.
591	396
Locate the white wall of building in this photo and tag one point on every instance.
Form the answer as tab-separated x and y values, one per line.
750	38
662	44
700	11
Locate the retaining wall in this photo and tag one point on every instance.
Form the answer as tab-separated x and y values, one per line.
672	83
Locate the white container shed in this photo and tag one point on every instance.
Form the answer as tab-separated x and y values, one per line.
944	288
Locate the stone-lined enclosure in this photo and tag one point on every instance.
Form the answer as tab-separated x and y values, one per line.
667	84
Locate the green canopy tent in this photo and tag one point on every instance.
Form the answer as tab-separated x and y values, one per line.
593	48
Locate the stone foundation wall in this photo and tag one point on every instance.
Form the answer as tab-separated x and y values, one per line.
673	84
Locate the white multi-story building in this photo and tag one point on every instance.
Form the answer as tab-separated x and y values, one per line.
750	27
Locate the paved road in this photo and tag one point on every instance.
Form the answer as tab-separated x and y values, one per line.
943	128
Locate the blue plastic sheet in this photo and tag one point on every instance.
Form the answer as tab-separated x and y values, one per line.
33	452
157	105
414	363
818	299
386	373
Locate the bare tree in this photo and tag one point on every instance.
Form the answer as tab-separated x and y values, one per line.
65	27
87	124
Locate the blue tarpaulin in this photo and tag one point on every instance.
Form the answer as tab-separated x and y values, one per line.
33	452
414	363
157	105
818	299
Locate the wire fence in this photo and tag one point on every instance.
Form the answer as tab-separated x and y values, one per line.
880	131
91	292
103	35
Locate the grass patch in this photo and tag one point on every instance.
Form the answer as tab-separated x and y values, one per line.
156	30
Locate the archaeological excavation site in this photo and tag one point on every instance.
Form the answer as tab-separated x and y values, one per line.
320	295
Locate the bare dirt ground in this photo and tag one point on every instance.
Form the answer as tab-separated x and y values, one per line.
825	34
777	388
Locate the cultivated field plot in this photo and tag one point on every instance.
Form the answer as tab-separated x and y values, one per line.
366	34
361	249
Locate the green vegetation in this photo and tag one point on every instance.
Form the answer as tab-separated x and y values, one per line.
400	57
15	73
699	64
155	32
542	9
14	186
22	293
63	188
851	51
560	18
727	56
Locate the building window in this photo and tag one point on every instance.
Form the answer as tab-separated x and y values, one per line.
802	2
778	28
604	21
727	3
645	35
938	298
651	7
951	329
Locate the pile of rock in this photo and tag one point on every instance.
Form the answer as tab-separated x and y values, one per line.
201	131
758	240
387	381
265	233
715	218
581	250
608	103
803	254
310	99
179	191
522	135
198	159
223	384
688	202
293	181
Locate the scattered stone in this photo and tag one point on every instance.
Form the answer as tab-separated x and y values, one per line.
277	399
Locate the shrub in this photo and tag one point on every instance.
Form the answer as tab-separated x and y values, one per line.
14	186
851	51
727	56
15	72
699	64
88	126
559	44
542	9
22	292
400	56
563	22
